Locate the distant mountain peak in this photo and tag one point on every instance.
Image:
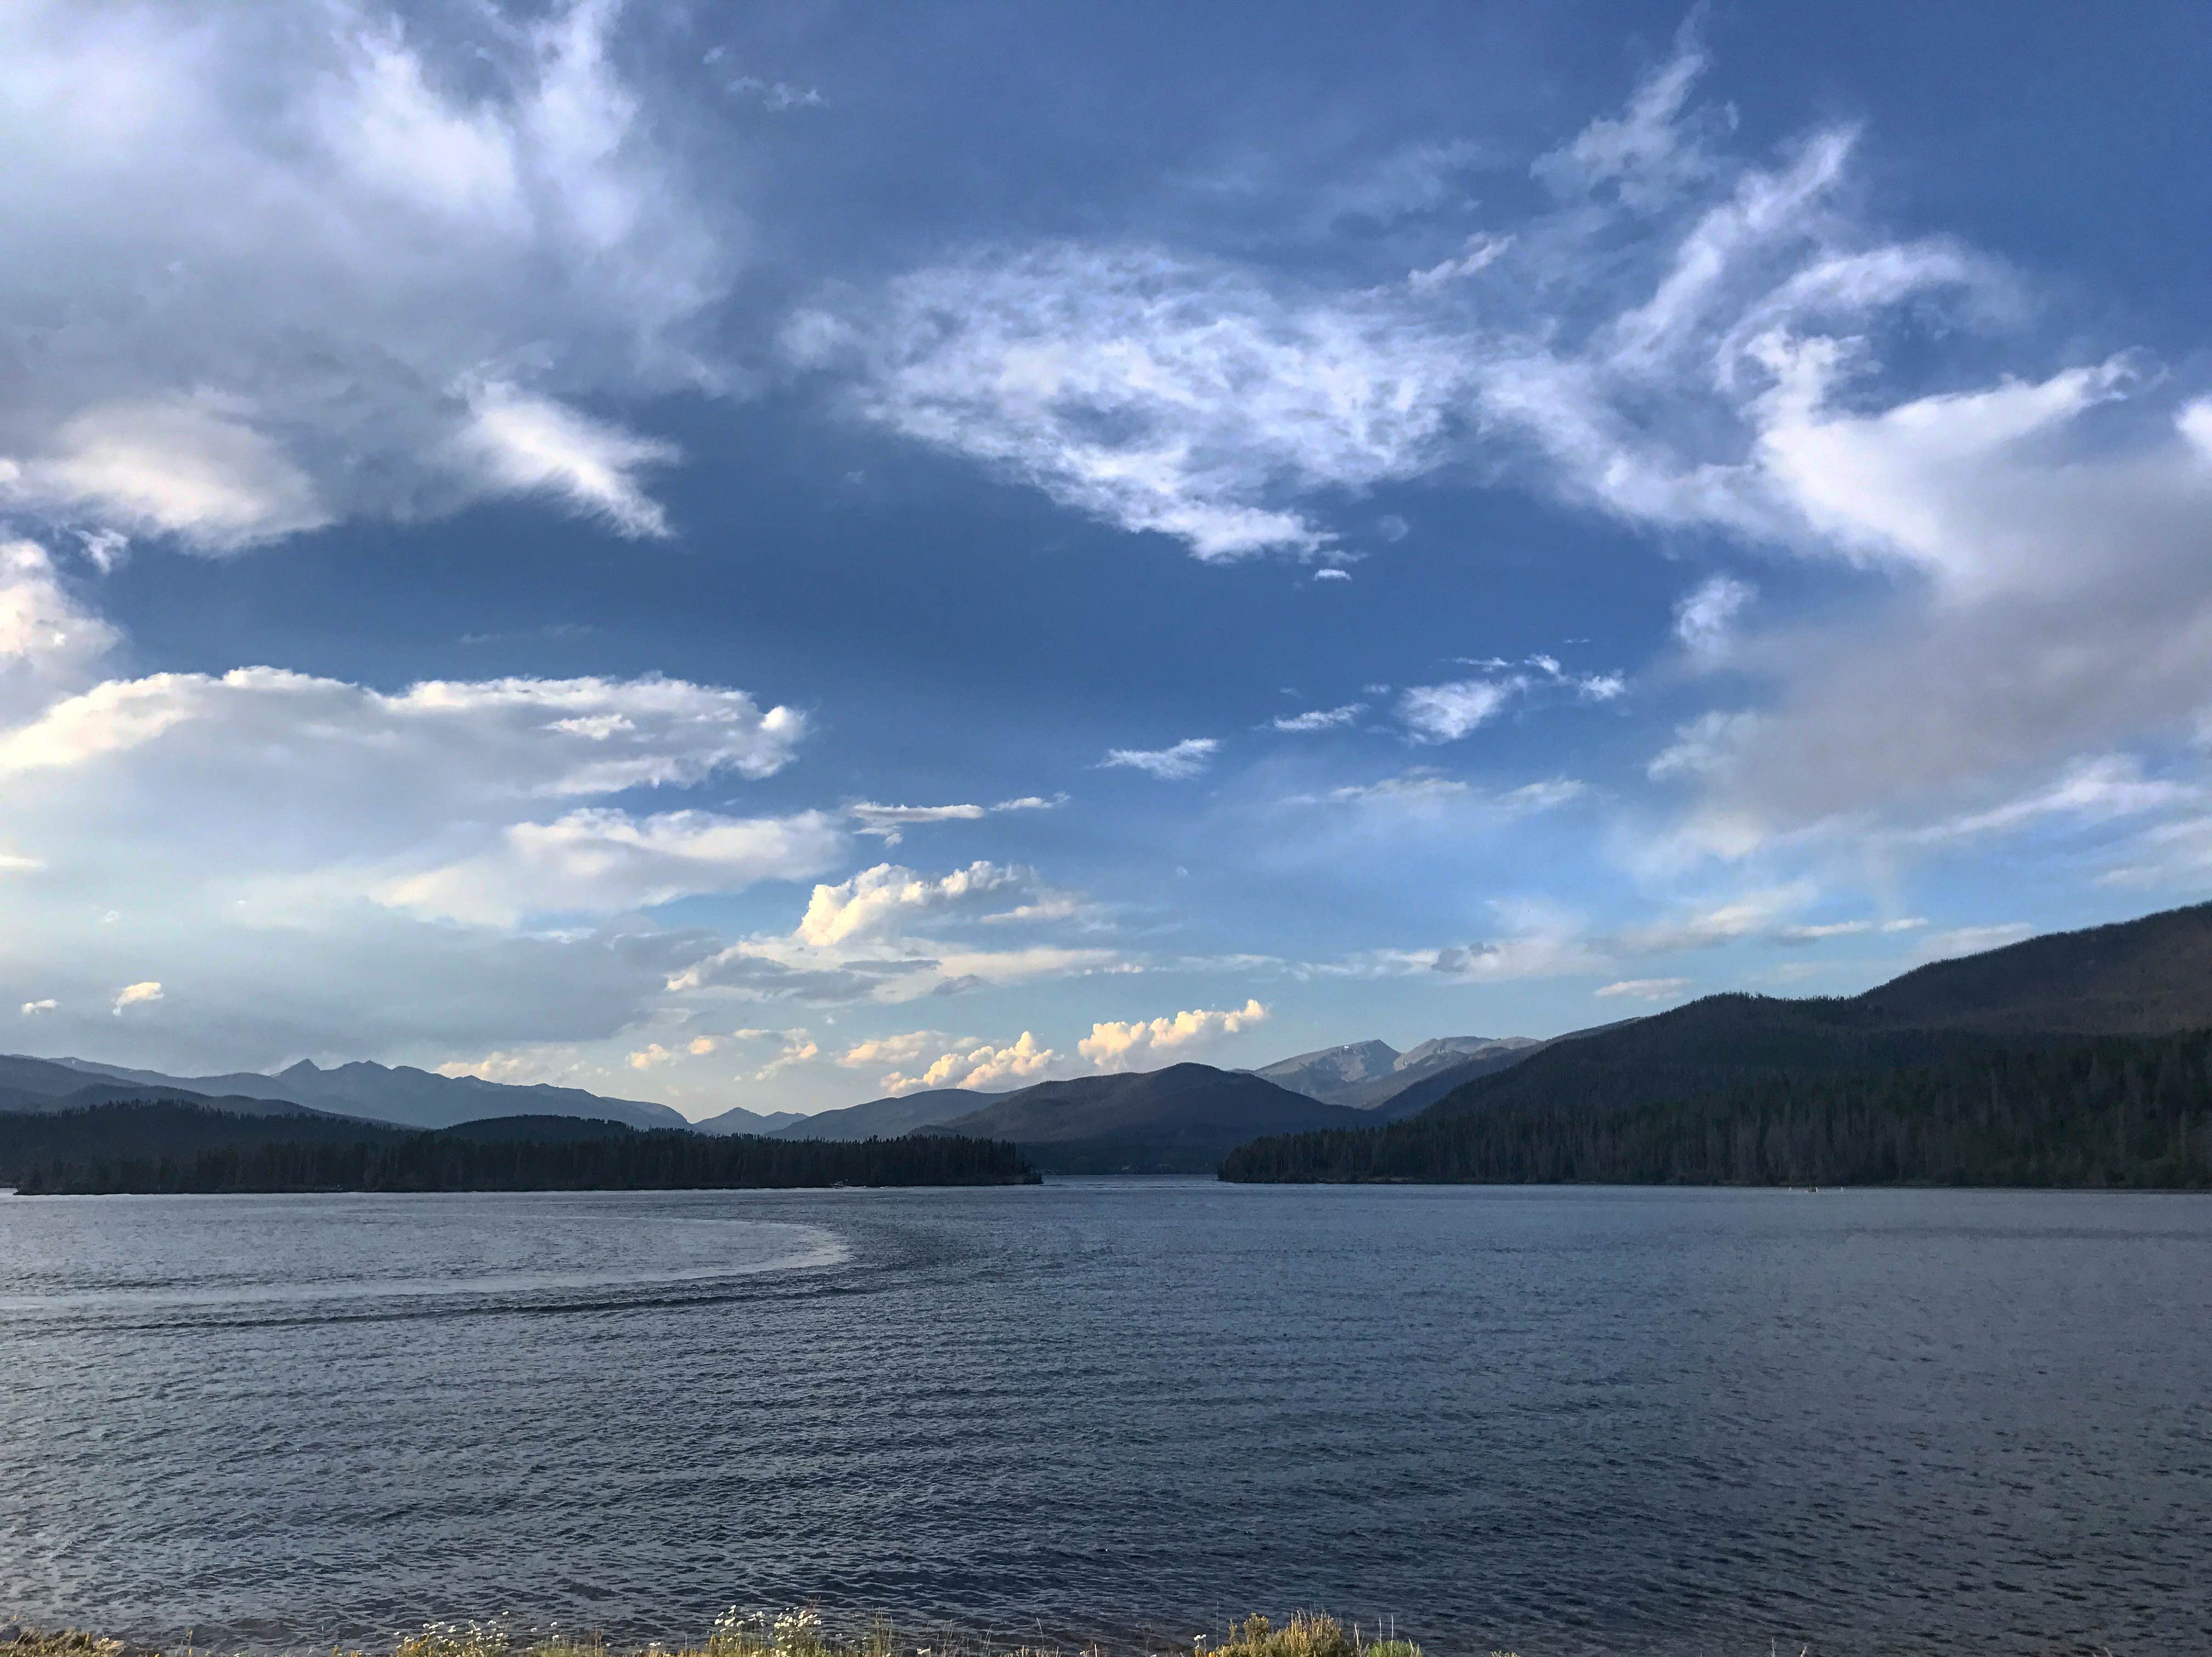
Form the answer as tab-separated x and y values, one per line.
1362	1074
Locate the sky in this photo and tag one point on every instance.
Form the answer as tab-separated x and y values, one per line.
773	555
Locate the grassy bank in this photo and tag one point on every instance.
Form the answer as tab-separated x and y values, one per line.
793	1634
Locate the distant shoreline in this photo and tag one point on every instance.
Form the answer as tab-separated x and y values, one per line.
153	1148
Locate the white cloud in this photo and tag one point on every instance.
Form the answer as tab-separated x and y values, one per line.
1706	746
799	1048
1686	342
1821	932
258	256
1480	253
601	861
1423	792
1748	915
1646	989
778	97
979	1065
886	896
33	1009
519	443
890	822
1151	389
1446	712
1321	719
289	830
1418	788
889	934
1121	1047
514	737
1332	575
49	641
898	1049
136	995
1644	154
1706	618
190	466
650	1056
2094	790
1189	758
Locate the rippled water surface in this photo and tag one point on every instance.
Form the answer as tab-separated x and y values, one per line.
1567	1421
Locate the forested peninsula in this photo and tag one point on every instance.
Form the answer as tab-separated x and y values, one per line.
149	1147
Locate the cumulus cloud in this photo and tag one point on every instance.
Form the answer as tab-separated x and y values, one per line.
136	995
1112	1047
33	1009
295	832
1191	757
896	1049
878	899
890	934
973	1064
270	269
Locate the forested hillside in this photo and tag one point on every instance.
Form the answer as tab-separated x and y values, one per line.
2106	1112
1986	1070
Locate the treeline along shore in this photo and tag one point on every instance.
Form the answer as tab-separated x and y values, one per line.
154	1147
2074	1060
2125	1112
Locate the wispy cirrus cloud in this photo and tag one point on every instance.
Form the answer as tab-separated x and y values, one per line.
1191	757
1319	719
1685	339
282	270
889	823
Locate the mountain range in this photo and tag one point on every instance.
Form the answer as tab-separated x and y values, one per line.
1370	1075
1177	1119
1680	1094
397	1094
2046	1061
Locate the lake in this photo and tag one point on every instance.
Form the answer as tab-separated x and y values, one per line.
1562	1420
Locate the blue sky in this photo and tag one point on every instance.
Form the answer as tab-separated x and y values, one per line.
769	556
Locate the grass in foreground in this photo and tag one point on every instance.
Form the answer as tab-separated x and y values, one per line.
797	1634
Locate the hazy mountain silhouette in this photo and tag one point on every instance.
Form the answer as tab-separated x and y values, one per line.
400	1094
1179	1119
886	1118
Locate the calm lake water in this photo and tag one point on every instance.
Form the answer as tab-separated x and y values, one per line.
1568	1421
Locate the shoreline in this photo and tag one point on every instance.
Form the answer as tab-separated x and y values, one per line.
802	1632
